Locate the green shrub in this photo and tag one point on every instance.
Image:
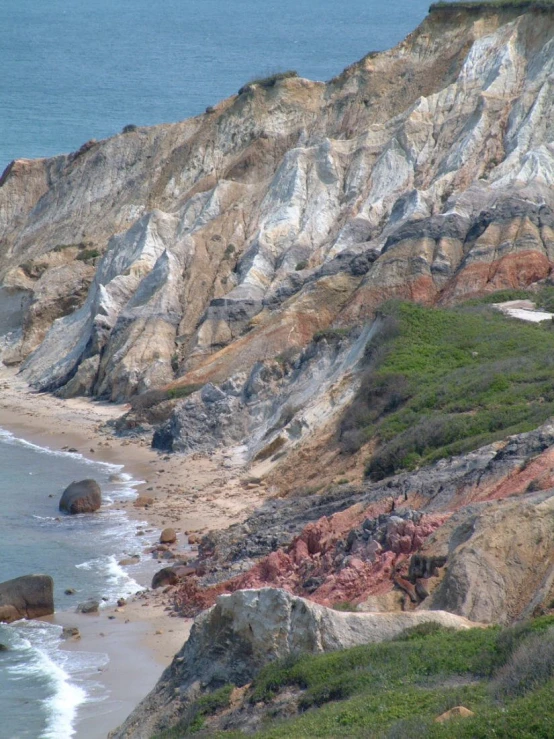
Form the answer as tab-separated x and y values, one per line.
331	335
87	254
301	265
494	4
129	128
530	666
268	82
183	391
442	381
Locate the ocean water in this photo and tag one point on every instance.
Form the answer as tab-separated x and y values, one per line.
42	686
73	70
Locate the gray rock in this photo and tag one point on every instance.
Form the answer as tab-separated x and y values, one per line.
231	641
84	496
71	632
165	576
89	606
30	596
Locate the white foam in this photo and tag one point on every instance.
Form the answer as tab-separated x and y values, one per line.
39	642
119	581
9	438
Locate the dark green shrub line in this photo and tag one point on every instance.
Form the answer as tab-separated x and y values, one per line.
267	82
494	4
441	382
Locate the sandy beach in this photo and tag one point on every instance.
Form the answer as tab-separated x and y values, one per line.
191	494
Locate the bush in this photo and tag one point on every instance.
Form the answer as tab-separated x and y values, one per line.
441	382
129	128
268	82
301	265
530	666
87	254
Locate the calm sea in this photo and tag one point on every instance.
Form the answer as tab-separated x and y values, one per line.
73	70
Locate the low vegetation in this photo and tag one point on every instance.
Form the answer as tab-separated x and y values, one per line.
397	689
498	4
268	82
151	398
441	382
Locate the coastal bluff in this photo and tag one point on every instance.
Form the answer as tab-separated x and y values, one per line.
243	631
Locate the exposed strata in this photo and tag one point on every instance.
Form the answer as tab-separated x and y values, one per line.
484	516
244	631
423	172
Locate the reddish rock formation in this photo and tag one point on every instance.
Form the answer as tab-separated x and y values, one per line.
355	553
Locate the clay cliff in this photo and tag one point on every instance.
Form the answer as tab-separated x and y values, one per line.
186	253
229	277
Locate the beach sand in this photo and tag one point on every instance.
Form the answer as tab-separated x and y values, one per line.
192	494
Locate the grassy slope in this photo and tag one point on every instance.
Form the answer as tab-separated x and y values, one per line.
445	381
397	689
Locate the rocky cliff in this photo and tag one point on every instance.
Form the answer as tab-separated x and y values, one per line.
186	253
246	630
227	276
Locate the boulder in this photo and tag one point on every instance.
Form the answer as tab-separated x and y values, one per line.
71	632
30	596
456	712
89	606
243	631
168	536
84	496
143	501
165	576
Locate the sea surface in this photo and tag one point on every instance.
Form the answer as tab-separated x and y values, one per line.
42	686
73	70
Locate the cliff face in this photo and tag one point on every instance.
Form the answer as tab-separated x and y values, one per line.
194	250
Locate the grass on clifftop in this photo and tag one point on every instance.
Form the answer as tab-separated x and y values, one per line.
494	4
441	382
396	689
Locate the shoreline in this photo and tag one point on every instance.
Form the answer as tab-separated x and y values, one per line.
191	494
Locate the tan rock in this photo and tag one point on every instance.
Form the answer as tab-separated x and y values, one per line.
168	536
456	712
142	501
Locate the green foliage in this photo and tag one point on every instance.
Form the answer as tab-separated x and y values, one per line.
331	334
396	689
301	265
345	605
446	381
86	254
183	391
193	720
530	666
129	128
494	4
268	82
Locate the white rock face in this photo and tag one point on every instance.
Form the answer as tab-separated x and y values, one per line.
232	640
424	172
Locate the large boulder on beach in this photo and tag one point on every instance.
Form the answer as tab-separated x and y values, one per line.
168	536
165	576
84	496
30	596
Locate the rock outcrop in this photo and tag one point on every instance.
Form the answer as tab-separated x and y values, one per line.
424	172
245	630
448	537
84	496
30	596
